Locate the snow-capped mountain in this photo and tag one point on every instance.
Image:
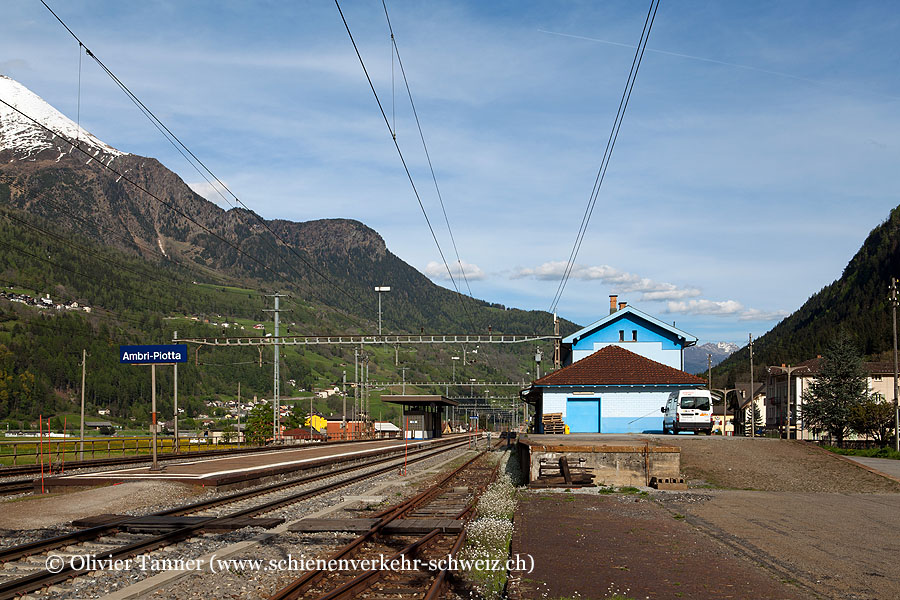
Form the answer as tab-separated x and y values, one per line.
695	357
25	139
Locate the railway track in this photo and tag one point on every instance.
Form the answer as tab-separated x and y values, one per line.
10	471
117	537
19	486
438	514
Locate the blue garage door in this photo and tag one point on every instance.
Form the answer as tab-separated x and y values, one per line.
583	416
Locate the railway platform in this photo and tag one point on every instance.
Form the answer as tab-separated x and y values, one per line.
234	472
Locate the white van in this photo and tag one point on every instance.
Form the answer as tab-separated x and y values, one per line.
688	410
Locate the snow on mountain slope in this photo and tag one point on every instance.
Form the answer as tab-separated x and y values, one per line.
26	139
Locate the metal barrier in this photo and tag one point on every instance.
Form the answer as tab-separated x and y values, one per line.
58	450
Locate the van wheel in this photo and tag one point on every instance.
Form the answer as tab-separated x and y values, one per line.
707	431
665	430
674	430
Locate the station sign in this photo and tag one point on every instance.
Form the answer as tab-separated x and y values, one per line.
153	355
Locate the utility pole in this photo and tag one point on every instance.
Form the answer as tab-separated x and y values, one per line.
380	289
557	343
403	370
239	414
896	412
709	365
84	366
355	385
752	397
344	411
275	407
175	398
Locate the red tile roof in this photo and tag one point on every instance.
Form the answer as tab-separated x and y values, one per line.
614	365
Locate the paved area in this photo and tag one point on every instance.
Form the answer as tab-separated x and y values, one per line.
836	545
764	518
888	466
592	546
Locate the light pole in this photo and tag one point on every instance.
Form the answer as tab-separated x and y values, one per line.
788	370
453	377
379	290
724	404
752	396
896	412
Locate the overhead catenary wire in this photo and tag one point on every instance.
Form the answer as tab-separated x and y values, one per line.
412	104
409	176
186	152
607	153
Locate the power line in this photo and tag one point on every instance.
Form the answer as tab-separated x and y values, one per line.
607	153
43	197
424	145
179	145
403	161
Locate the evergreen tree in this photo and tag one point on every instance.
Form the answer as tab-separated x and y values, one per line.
838	390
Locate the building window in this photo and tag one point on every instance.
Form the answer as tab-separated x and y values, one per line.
634	335
621	335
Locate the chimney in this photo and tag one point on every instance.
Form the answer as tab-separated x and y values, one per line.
612	303
622	305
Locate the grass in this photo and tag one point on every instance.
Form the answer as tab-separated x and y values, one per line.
868	452
625	489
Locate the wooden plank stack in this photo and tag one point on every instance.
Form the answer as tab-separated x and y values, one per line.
553	423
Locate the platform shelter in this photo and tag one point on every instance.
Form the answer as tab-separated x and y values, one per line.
422	415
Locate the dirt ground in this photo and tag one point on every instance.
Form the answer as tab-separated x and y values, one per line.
764	519
770	465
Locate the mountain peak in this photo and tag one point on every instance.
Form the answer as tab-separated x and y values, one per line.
25	140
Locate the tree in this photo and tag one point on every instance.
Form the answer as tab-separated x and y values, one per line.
840	387
874	417
296	418
259	424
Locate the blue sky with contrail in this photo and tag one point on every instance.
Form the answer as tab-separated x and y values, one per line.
758	150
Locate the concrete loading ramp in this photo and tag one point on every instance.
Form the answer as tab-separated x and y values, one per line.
615	460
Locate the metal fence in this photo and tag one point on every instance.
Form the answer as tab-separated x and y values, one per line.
59	451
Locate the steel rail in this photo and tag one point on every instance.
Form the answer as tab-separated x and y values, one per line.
23	550
294	589
30	583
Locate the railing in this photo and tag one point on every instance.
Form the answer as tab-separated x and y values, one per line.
58	451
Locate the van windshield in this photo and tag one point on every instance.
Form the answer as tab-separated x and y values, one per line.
697	402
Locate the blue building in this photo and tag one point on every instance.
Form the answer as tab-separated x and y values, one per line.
618	372
632	329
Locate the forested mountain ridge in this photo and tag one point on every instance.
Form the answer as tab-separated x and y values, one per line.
857	302
128	237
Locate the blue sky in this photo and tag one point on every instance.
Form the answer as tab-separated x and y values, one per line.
759	148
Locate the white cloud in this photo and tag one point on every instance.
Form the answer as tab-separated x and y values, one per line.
705	307
755	314
211	193
624	282
436	270
723	308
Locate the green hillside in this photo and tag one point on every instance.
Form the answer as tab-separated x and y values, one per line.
856	303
